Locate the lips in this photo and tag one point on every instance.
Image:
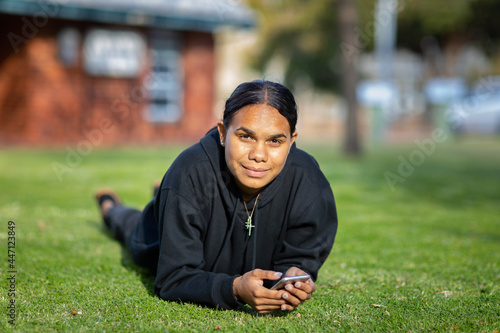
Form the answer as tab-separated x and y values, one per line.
254	172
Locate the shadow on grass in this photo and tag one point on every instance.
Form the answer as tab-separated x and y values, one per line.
147	278
248	310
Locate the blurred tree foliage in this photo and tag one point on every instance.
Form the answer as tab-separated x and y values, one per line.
439	18
471	20
484	24
304	34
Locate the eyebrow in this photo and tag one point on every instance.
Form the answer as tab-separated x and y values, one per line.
249	131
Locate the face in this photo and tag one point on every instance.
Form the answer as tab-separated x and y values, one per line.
257	143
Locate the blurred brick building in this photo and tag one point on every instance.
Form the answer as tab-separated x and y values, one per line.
109	72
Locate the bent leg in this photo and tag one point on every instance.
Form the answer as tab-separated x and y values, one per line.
137	231
122	221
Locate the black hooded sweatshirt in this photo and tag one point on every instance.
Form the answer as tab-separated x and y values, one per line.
203	242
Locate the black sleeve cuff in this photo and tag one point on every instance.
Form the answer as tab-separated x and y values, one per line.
222	292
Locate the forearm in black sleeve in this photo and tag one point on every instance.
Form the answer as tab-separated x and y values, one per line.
181	275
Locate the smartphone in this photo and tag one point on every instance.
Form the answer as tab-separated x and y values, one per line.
290	279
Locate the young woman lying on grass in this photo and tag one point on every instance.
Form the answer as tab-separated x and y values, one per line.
236	211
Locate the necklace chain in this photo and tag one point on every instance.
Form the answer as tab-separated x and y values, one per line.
248	223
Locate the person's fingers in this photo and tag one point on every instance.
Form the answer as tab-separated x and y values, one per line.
312	285
292	299
298	293
266	308
308	286
263	305
266	274
294	271
271	305
249	289
287	307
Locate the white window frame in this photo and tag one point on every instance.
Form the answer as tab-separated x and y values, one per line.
165	80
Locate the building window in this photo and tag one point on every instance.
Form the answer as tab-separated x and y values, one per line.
115	53
165	80
68	41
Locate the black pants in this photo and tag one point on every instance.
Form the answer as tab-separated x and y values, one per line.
138	231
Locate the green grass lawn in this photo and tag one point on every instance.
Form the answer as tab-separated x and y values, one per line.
420	255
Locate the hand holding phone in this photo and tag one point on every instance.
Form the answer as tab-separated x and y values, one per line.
290	279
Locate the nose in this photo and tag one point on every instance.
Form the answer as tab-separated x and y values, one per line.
258	153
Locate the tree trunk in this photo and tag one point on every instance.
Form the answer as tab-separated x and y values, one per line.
351	48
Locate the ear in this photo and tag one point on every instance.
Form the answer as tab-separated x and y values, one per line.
292	139
222	133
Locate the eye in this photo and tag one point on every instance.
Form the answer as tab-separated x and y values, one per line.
245	137
276	142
